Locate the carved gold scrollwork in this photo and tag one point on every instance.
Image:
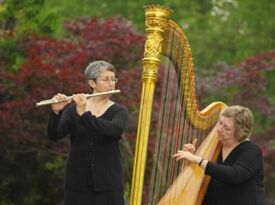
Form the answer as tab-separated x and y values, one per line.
153	46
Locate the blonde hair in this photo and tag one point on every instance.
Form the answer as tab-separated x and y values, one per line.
243	120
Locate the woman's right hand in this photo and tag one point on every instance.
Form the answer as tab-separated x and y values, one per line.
191	147
80	101
188	153
57	107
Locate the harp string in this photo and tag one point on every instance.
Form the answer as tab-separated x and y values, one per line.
161	128
176	103
173	126
169	127
171	119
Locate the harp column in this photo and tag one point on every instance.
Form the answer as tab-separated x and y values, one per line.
156	19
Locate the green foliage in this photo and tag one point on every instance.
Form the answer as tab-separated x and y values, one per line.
19	19
227	31
69	9
218	31
24	179
11	54
56	164
4	202
27	17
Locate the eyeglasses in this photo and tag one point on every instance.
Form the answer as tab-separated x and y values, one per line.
112	80
225	128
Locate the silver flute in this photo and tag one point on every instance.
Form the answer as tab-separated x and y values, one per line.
53	100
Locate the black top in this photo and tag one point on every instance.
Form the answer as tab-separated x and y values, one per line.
94	158
239	179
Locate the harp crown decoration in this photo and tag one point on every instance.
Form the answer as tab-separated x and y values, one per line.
157	17
156	22
167	54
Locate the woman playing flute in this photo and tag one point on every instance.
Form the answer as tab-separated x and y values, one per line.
95	125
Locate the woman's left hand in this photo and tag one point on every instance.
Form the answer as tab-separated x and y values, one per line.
191	147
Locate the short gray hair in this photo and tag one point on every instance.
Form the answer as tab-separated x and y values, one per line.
94	69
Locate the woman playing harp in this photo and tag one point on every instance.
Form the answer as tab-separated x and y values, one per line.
237	177
167	65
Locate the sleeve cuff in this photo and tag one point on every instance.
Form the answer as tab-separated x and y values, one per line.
208	168
82	118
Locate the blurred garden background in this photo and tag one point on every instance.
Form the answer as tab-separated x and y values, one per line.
46	44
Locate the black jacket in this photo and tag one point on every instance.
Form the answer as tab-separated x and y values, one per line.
238	180
94	157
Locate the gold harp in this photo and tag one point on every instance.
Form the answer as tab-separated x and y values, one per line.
167	53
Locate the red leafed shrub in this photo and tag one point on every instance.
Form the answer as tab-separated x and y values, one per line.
249	83
130	85
57	65
52	66
113	39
